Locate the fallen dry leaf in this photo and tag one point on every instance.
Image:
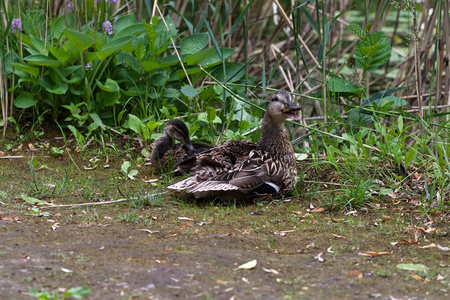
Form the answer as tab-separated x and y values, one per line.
185	218
320	209
151	180
410	242
218	281
440	277
319	257
415	276
273	271
247	266
338	236
433	245
373	254
430	230
356	273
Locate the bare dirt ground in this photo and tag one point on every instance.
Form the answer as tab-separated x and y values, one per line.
185	249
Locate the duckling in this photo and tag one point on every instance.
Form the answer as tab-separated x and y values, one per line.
166	154
243	169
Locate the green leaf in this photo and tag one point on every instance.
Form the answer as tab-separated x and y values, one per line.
35	201
39	45
78	292
42	60
125	22
134	30
214	59
340	85
30	70
189	91
110	86
373	52
198	56
81	40
233	72
171	93
194	43
78	136
125	166
211	114
114	46
140	51
58	89
135	123
25	100
60	55
356	30
360	117
412	267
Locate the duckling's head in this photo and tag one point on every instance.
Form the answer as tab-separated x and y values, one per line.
176	129
281	108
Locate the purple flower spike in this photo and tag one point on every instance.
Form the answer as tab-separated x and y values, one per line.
111	2
16	24
70	7
88	66
107	27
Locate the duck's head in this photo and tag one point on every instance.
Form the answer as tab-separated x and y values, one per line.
281	107
176	129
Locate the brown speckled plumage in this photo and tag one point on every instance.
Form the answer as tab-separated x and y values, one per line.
246	169
165	154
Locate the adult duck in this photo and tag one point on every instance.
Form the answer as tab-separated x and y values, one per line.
243	169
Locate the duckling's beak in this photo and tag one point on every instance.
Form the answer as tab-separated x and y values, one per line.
189	146
290	110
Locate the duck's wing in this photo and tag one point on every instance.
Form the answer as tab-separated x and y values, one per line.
214	161
258	174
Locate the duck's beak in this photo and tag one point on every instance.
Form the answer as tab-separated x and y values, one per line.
290	110
190	146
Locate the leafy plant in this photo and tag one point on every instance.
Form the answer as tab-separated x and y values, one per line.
76	292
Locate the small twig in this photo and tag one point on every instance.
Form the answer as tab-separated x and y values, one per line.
99	203
15	156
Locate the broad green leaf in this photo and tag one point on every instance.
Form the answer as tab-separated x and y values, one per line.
140	51
39	45
25	100
198	56
171	93
134	30
233	72
373	52
135	124
114	46
125	22
211	114
360	117
134	91
214	59
194	43
35	201
60	55
78	136
80	39
30	70
150	66
125	166
42	60
59	89
412	267
356	30
189	91
340	85
60	25
110	85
